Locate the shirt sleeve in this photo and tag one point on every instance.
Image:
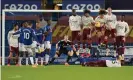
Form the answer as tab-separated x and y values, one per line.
127	29
8	37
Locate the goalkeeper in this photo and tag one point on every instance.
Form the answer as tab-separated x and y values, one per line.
64	47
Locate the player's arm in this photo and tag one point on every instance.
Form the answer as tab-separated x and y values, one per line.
18	32
70	21
8	37
127	29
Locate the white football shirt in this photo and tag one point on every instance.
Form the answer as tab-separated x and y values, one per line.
114	63
111	21
12	39
74	23
122	28
87	21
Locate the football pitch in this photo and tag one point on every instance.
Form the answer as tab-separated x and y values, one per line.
61	72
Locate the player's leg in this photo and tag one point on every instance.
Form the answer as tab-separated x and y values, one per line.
48	48
16	55
30	52
122	49
57	54
70	54
36	58
10	55
42	54
113	35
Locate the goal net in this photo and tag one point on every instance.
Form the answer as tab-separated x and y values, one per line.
60	26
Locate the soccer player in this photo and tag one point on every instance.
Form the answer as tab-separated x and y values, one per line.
100	23
110	27
63	47
40	36
87	22
22	50
13	44
28	36
75	27
47	41
122	30
104	63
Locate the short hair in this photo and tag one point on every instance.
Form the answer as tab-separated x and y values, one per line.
87	11
73	10
29	23
123	15
14	25
102	11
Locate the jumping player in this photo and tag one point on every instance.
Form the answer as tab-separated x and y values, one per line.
28	36
110	27
100	23
13	44
40	36
75	27
47	41
122	30
87	22
64	47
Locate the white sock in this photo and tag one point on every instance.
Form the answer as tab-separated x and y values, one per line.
46	58
41	61
27	61
36	59
31	60
20	59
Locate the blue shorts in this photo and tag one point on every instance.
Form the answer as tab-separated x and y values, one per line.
40	54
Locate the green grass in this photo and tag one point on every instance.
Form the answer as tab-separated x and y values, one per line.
61	72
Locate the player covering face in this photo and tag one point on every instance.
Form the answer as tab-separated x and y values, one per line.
100	23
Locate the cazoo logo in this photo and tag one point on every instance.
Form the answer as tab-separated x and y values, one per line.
83	6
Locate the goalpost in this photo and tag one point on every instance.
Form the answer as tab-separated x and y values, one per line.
3	22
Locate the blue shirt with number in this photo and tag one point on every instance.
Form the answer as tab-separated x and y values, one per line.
28	35
40	35
48	29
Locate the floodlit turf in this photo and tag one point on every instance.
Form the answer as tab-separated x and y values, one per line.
61	72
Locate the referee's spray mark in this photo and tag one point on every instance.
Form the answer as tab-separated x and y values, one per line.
14	77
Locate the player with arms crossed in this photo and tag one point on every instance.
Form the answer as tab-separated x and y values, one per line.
110	28
75	27
40	36
13	44
64	47
122	30
100	23
28	37
47	41
87	22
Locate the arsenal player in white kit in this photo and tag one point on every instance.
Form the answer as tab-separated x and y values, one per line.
122	29
100	23
75	26
13	44
88	23
110	26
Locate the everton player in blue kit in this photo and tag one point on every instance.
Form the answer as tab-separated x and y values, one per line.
47	42
22	50
40	36
28	36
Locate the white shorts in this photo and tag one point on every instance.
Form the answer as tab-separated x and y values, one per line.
47	45
21	47
28	48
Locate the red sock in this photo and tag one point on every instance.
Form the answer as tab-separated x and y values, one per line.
89	43
105	42
99	41
16	60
